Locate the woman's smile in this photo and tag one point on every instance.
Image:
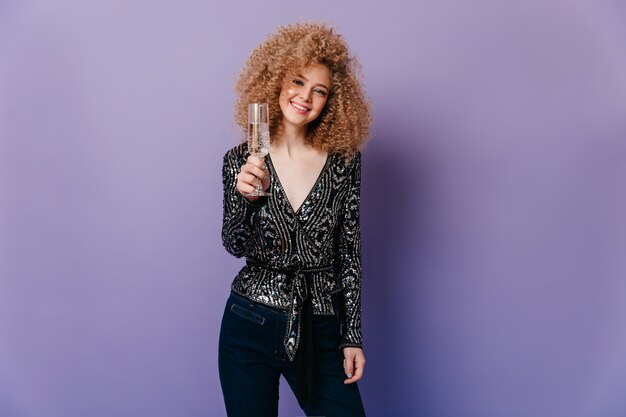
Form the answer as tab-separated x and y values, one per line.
300	108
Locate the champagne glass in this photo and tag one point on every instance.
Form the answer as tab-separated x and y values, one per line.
258	136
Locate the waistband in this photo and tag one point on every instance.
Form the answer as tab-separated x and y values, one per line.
288	269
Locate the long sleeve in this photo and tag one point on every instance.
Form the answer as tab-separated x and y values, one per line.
238	211
349	245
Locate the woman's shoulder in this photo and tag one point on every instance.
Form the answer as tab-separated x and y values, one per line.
345	168
347	163
356	159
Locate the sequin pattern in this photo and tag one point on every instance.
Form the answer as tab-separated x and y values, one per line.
292	251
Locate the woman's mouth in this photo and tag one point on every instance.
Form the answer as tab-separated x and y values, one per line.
299	108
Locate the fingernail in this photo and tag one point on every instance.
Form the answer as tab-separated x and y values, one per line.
349	375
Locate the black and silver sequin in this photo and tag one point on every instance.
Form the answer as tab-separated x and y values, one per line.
314	251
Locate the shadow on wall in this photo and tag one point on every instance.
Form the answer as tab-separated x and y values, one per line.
392	219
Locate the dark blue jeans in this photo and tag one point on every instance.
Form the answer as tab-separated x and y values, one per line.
252	358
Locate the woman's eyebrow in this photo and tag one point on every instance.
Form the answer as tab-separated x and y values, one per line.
307	80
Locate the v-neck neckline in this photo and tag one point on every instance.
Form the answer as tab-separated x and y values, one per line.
284	192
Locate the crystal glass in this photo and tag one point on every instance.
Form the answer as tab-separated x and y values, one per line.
258	136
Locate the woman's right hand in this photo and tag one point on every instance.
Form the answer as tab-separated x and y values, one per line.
252	172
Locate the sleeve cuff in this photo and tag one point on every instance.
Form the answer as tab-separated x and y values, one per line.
349	344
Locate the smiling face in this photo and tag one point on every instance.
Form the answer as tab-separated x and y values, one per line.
304	95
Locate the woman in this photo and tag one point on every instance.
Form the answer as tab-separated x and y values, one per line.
295	306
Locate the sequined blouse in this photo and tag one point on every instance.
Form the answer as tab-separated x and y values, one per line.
314	251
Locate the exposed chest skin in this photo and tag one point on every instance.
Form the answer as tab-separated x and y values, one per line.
298	174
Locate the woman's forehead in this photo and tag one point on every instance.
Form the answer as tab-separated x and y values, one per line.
314	72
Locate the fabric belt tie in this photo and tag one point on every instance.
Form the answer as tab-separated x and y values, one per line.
299	323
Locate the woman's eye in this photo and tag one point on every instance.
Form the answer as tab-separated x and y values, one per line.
298	82
320	92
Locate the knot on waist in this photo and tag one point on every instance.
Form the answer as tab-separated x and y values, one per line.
300	275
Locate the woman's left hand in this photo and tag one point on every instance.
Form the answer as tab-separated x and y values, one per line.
353	364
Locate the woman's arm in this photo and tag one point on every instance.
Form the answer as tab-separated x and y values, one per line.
350	274
238	210
349	245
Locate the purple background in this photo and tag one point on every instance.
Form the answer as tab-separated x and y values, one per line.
493	204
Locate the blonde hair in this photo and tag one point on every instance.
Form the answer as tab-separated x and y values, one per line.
343	125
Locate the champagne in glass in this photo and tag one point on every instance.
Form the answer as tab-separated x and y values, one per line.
258	136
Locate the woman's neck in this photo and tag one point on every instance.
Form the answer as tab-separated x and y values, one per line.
289	139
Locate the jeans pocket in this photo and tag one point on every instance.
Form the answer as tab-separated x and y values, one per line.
247	314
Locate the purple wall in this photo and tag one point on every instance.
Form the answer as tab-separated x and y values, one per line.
493	201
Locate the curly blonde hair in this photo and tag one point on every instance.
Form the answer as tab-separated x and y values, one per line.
343	125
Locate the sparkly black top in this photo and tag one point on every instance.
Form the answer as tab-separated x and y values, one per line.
314	251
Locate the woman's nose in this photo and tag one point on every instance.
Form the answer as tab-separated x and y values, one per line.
305	95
